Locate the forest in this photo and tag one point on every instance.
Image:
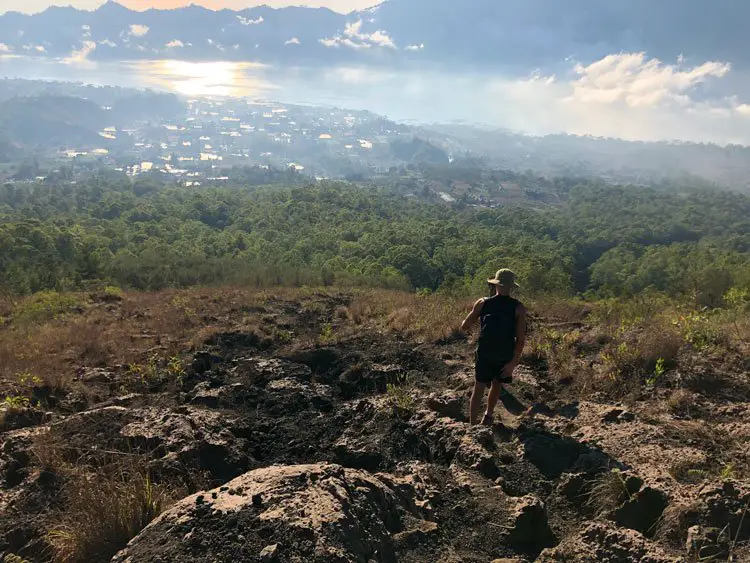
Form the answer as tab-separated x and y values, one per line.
603	241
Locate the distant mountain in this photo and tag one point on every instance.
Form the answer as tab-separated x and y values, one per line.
517	34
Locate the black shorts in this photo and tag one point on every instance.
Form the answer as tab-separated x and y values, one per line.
487	371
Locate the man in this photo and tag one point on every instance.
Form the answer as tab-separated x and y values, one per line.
502	337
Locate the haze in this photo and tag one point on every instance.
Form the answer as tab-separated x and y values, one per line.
33	6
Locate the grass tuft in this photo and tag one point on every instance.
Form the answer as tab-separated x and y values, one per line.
104	513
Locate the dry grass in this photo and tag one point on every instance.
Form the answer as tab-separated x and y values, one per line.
428	319
682	402
608	492
123	332
104	512
106	500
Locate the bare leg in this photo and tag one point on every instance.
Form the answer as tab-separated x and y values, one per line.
494	395
476	402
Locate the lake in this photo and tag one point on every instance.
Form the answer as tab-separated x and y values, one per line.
421	96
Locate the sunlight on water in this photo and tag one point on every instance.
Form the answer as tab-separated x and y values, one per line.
219	78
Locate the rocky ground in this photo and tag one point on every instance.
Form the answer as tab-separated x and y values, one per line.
319	442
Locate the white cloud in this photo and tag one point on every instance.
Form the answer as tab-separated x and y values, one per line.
634	80
108	43
354	38
4	48
82	55
37	48
414	47
137	30
293	41
175	44
86	27
623	95
247	21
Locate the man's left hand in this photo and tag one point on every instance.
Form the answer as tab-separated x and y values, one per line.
508	370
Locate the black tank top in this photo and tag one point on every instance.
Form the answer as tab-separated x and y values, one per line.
497	336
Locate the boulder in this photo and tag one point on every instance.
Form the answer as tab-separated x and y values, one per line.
603	543
530	529
451	404
318	513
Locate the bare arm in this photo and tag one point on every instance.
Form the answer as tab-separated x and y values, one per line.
520	334
473	316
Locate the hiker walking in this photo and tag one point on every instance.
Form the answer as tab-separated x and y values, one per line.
501	340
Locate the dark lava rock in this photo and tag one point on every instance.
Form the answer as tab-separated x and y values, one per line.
603	543
707	544
642	511
531	529
314	512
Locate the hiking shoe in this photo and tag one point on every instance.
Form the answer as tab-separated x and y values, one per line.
488	420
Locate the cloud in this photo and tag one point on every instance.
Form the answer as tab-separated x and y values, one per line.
82	55
4	48
635	81
37	48
624	95
246	21
419	47
293	41
354	38
175	44
108	43
137	30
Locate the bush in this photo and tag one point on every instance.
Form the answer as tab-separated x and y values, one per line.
46	306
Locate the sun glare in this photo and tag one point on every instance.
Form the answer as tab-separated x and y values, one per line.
219	78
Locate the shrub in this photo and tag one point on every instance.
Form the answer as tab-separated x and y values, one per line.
46	306
699	329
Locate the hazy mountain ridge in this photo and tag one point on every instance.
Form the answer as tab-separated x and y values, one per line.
520	35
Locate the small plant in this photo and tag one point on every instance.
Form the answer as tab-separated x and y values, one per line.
400	396
284	336
326	334
15	402
176	370
182	304
698	330
738	300
28	379
13	558
659	371
727	472
621	362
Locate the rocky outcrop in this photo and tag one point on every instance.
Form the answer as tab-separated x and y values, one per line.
296	513
603	543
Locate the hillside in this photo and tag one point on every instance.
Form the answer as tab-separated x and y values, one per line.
291	425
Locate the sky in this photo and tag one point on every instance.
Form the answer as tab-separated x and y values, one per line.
31	6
